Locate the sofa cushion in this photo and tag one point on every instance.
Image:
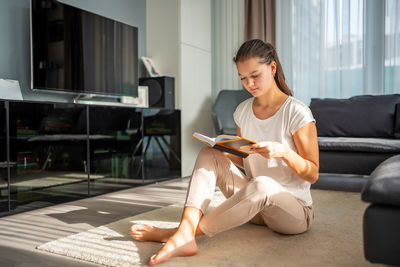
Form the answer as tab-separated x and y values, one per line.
353	162
359	144
383	186
358	116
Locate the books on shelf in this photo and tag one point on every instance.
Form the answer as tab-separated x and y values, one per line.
235	145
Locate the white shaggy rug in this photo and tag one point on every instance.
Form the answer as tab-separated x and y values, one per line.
335	239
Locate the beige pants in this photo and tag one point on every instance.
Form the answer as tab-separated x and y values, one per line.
260	200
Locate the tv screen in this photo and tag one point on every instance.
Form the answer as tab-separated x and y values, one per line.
73	50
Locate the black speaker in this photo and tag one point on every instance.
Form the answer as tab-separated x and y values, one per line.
161	91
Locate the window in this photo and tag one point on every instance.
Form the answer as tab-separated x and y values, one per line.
338	48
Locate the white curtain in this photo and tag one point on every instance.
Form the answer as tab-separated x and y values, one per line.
227	36
392	46
326	38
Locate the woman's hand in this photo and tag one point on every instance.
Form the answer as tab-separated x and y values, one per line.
270	149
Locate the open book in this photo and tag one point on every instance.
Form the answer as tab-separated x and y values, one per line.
228	143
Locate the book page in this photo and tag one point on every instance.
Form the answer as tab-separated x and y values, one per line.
205	139
232	144
224	137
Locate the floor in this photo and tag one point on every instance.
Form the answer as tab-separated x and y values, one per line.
21	233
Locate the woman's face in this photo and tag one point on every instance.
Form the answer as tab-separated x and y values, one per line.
256	77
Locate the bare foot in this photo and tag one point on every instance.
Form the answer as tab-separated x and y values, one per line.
144	232
180	244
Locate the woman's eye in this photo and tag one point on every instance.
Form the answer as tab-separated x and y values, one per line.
254	77
242	79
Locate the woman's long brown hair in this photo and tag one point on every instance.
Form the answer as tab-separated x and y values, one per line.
266	52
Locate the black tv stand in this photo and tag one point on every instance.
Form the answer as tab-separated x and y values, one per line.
63	151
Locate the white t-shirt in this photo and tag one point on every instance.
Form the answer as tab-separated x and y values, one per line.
280	127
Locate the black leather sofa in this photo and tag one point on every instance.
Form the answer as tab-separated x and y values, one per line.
359	142
355	135
382	218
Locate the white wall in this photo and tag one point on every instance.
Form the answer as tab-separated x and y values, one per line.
184	53
196	77
163	38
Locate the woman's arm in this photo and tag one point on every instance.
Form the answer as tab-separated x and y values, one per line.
238	161
305	163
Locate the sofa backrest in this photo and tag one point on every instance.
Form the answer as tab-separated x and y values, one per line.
358	116
224	107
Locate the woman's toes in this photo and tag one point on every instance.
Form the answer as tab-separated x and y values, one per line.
137	227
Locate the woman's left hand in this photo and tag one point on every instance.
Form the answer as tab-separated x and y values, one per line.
269	149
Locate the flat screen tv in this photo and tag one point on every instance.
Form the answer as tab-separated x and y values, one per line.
76	51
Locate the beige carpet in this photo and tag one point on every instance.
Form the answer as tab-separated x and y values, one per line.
335	239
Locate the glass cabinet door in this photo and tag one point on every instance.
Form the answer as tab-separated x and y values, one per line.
131	147
4	200
48	147
161	144
114	134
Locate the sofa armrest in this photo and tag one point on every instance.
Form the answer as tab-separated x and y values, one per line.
383	186
217	123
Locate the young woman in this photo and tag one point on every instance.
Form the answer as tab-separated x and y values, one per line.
275	191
